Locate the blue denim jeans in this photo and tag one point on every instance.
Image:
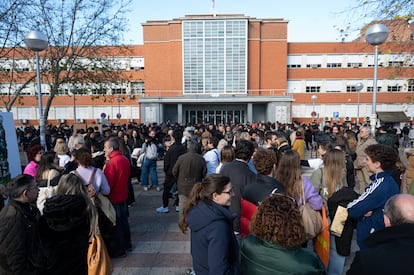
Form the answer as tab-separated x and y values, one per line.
149	167
121	234
336	261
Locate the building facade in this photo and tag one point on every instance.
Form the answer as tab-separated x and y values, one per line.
230	69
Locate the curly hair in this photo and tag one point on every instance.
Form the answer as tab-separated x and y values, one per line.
385	155
264	160
278	220
213	183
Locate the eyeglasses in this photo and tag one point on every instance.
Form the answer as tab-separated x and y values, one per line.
230	192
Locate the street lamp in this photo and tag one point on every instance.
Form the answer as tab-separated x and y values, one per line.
74	90
37	42
358	87
375	35
118	115
314	98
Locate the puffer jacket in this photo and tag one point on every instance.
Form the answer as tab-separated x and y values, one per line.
64	231
19	239
259	257
213	245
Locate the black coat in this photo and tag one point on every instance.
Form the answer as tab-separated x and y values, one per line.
170	158
64	231
343	197
390	251
261	188
19	239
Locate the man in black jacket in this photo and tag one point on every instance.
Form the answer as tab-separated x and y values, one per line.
390	249
19	236
170	158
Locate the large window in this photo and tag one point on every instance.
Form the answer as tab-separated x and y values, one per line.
215	56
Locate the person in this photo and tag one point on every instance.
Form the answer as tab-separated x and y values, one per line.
171	156
189	169
396	239
299	145
363	175
62	151
212	155
117	171
34	154
48	173
263	186
274	243
316	163
85	170
300	187
330	180
240	175
367	209
19	233
66	227
409	154
149	165
227	154
214	248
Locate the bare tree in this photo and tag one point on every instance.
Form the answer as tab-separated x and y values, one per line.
362	13
79	32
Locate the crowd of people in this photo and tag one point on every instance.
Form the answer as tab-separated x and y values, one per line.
239	189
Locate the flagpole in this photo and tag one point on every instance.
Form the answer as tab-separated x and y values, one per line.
214	8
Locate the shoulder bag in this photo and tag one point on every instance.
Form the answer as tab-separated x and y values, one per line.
312	220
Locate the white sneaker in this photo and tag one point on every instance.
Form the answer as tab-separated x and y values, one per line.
162	209
158	189
177	209
145	188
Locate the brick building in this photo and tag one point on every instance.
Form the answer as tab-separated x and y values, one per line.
235	68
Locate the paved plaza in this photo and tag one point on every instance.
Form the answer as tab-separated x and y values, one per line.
159	247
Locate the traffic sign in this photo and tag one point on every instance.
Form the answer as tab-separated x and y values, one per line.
103	115
336	115
313	114
118	115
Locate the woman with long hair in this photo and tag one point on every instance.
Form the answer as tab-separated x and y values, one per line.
48	176
66	227
214	247
227	154
300	187
331	177
274	243
330	180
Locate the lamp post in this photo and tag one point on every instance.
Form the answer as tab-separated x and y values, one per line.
313	98
37	42
74	90
358	87
118	115
375	35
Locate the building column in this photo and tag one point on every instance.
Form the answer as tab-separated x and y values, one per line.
180	113
250	112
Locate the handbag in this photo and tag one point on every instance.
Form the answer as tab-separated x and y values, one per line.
45	193
99	262
312	219
322	241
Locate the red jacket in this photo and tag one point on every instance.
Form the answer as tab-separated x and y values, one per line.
248	210
117	171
